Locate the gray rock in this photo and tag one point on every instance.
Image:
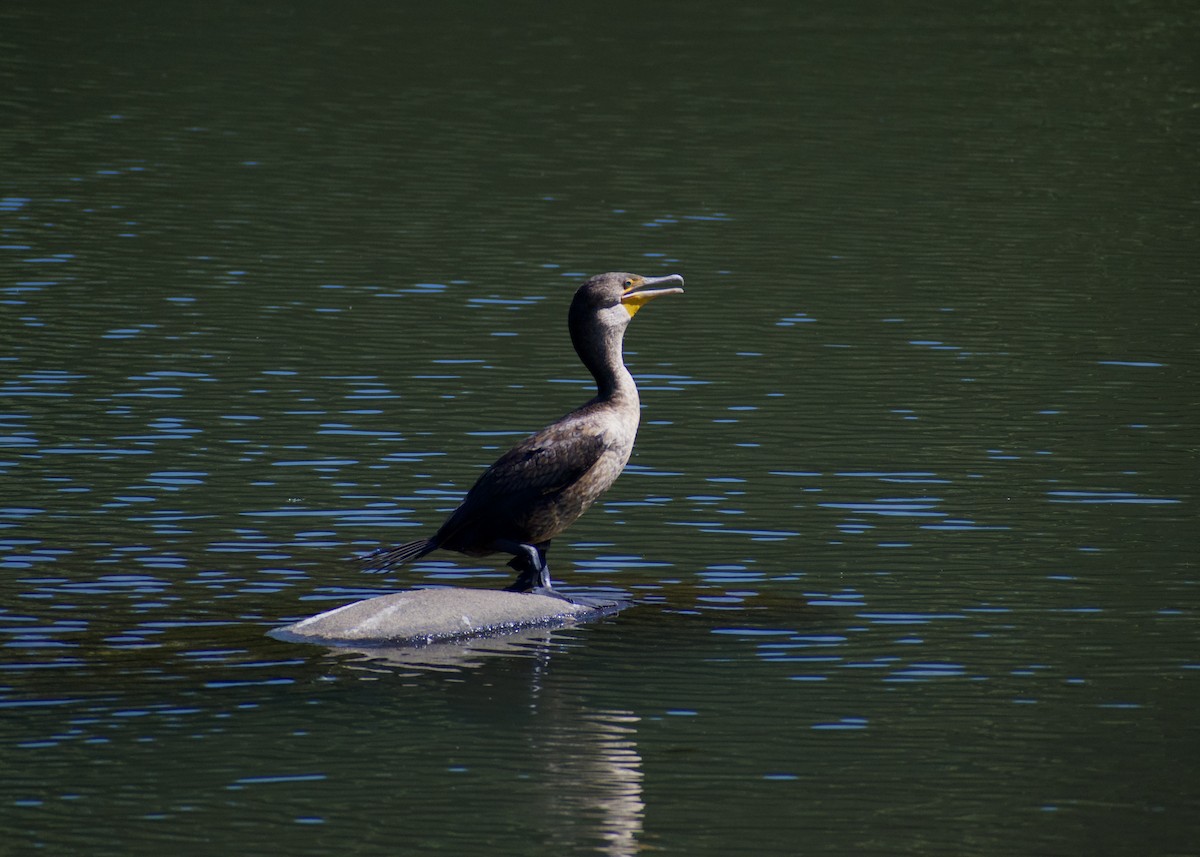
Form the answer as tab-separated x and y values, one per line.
420	616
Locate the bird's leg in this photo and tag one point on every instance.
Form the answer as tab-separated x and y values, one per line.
530	564
543	585
533	572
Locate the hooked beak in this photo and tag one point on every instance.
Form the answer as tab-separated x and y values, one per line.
642	291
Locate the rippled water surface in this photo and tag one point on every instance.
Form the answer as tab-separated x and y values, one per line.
911	524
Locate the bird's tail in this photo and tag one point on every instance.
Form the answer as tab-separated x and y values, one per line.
385	558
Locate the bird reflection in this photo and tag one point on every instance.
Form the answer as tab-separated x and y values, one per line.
584	760
597	774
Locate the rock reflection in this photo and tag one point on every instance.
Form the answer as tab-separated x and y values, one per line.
450	655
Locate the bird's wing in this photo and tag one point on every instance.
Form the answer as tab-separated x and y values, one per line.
543	464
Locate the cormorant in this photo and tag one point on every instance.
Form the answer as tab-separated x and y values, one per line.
539	487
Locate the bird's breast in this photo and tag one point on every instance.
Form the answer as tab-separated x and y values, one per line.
618	446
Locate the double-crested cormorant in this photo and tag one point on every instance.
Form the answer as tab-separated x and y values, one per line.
539	487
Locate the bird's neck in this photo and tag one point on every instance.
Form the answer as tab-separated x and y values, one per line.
614	384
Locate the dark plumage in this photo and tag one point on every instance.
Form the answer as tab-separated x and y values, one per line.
539	487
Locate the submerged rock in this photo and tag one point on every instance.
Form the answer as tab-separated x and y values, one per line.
421	616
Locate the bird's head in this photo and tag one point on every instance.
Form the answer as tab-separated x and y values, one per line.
610	300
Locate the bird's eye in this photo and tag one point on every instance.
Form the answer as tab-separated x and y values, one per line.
629	284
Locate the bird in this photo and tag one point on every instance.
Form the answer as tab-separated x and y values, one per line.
540	487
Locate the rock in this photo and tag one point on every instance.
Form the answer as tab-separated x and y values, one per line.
421	616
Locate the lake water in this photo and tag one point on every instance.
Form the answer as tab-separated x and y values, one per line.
911	523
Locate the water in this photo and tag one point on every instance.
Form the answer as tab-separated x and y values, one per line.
911	521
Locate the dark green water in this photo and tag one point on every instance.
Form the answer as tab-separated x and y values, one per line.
912	517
